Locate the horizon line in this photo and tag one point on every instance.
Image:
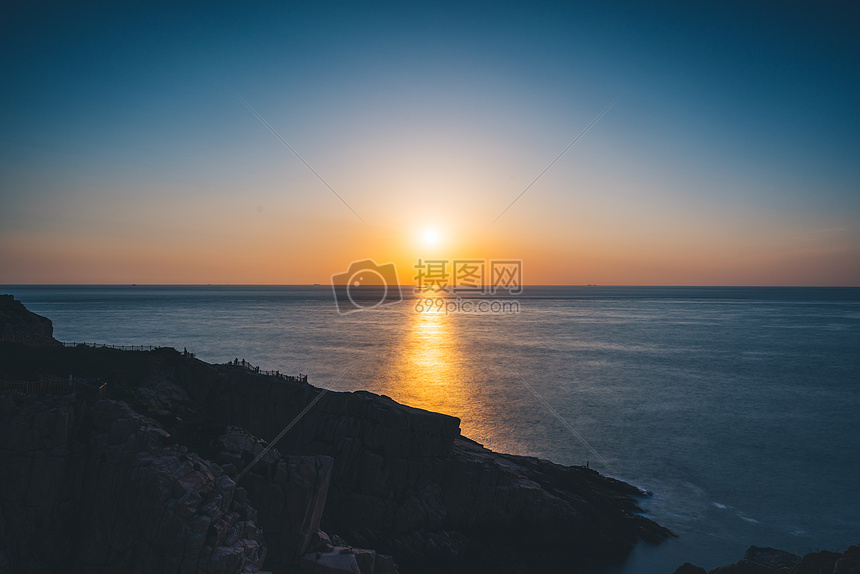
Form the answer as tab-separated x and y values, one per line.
413	285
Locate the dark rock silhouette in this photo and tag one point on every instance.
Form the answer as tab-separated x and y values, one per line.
382	475
760	560
406	483
89	487
19	324
292	491
771	561
687	568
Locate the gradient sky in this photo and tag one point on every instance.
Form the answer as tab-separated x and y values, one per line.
731	158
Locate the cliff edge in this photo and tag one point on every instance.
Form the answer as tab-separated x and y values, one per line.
21	325
360	466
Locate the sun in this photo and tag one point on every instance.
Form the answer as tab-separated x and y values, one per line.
431	237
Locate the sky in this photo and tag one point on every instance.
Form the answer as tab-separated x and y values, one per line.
131	150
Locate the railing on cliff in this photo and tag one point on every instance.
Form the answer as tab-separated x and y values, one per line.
300	378
27	340
55	386
185	353
120	347
41	342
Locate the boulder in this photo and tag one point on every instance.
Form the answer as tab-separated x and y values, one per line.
687	568
822	562
849	563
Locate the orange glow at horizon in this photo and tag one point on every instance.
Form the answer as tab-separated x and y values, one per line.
225	245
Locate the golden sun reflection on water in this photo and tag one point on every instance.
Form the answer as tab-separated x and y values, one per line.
428	372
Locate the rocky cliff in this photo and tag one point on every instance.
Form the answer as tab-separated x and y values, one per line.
406	483
379	474
19	324
97	488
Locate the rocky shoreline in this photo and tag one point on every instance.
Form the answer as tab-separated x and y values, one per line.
145	480
771	561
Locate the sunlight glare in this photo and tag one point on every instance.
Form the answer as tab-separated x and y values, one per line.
431	237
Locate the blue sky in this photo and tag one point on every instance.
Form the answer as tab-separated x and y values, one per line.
732	157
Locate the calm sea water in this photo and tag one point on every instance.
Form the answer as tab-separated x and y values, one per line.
738	407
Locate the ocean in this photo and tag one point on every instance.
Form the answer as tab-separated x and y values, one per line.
739	408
